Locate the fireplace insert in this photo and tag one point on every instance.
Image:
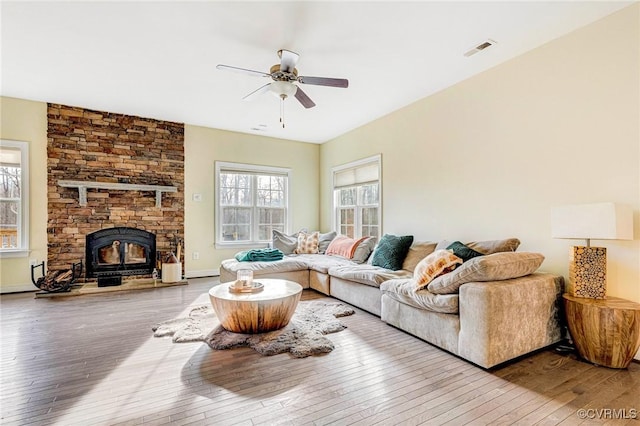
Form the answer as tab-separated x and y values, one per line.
114	252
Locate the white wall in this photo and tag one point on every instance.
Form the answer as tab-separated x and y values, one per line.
488	158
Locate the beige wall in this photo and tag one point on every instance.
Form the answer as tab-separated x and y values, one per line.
489	157
27	121
205	146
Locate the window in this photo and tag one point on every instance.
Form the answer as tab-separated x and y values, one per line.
14	196
356	198
251	201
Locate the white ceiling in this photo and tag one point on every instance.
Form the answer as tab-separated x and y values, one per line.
158	59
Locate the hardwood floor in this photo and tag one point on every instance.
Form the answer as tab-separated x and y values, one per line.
92	360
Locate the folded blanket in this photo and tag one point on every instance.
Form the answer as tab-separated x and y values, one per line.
260	255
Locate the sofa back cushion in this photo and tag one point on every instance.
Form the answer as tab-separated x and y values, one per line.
391	251
487	247
492	267
418	251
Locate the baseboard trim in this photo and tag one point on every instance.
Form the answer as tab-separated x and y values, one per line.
202	273
17	288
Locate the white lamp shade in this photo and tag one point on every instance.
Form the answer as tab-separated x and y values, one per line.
601	221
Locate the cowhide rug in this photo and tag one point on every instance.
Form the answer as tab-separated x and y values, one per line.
303	336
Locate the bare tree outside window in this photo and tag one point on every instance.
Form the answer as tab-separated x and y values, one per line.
251	205
357	205
10	197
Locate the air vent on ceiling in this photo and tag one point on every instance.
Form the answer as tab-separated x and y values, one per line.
479	48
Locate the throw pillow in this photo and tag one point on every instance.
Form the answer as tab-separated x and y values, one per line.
492	267
283	242
462	251
325	240
343	246
437	263
417	252
364	250
307	243
391	251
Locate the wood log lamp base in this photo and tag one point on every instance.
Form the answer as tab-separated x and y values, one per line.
588	272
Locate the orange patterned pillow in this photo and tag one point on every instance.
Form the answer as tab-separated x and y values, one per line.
437	263
307	243
343	246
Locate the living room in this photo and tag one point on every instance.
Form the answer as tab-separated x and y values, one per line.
487	158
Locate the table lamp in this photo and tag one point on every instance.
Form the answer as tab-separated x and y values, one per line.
587	264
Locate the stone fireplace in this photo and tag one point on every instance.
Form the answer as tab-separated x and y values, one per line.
119	157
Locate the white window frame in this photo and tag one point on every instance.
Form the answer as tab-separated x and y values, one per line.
221	166
358	209
23	216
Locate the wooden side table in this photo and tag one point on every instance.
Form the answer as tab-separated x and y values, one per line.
605	331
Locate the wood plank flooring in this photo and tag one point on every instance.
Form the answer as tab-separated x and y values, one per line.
92	360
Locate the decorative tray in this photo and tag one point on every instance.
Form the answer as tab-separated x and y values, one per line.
256	287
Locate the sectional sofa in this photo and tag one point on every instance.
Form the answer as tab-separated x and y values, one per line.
491	309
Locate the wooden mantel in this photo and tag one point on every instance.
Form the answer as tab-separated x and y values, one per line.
83	186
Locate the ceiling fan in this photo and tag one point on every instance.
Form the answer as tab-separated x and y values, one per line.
284	75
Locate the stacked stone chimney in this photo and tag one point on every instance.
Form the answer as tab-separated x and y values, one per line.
94	146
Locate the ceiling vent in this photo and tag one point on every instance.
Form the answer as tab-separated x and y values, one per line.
482	46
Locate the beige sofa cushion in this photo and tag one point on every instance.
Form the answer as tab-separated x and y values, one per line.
289	263
404	291
321	263
492	267
367	274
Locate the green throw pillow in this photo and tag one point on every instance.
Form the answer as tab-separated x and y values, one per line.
391	251
462	251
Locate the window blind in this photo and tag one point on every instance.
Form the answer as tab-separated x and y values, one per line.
357	175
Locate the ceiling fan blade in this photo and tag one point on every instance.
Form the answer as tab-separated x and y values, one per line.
258	91
323	81
288	60
242	70
304	99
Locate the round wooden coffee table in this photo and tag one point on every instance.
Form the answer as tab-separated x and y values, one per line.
267	310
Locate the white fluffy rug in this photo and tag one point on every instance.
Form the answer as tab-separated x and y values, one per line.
303	336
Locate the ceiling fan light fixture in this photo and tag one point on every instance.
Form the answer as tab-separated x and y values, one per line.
283	89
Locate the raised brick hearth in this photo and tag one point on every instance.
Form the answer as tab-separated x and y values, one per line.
94	146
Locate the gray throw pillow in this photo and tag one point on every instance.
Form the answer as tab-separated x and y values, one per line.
364	249
325	240
492	267
283	242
